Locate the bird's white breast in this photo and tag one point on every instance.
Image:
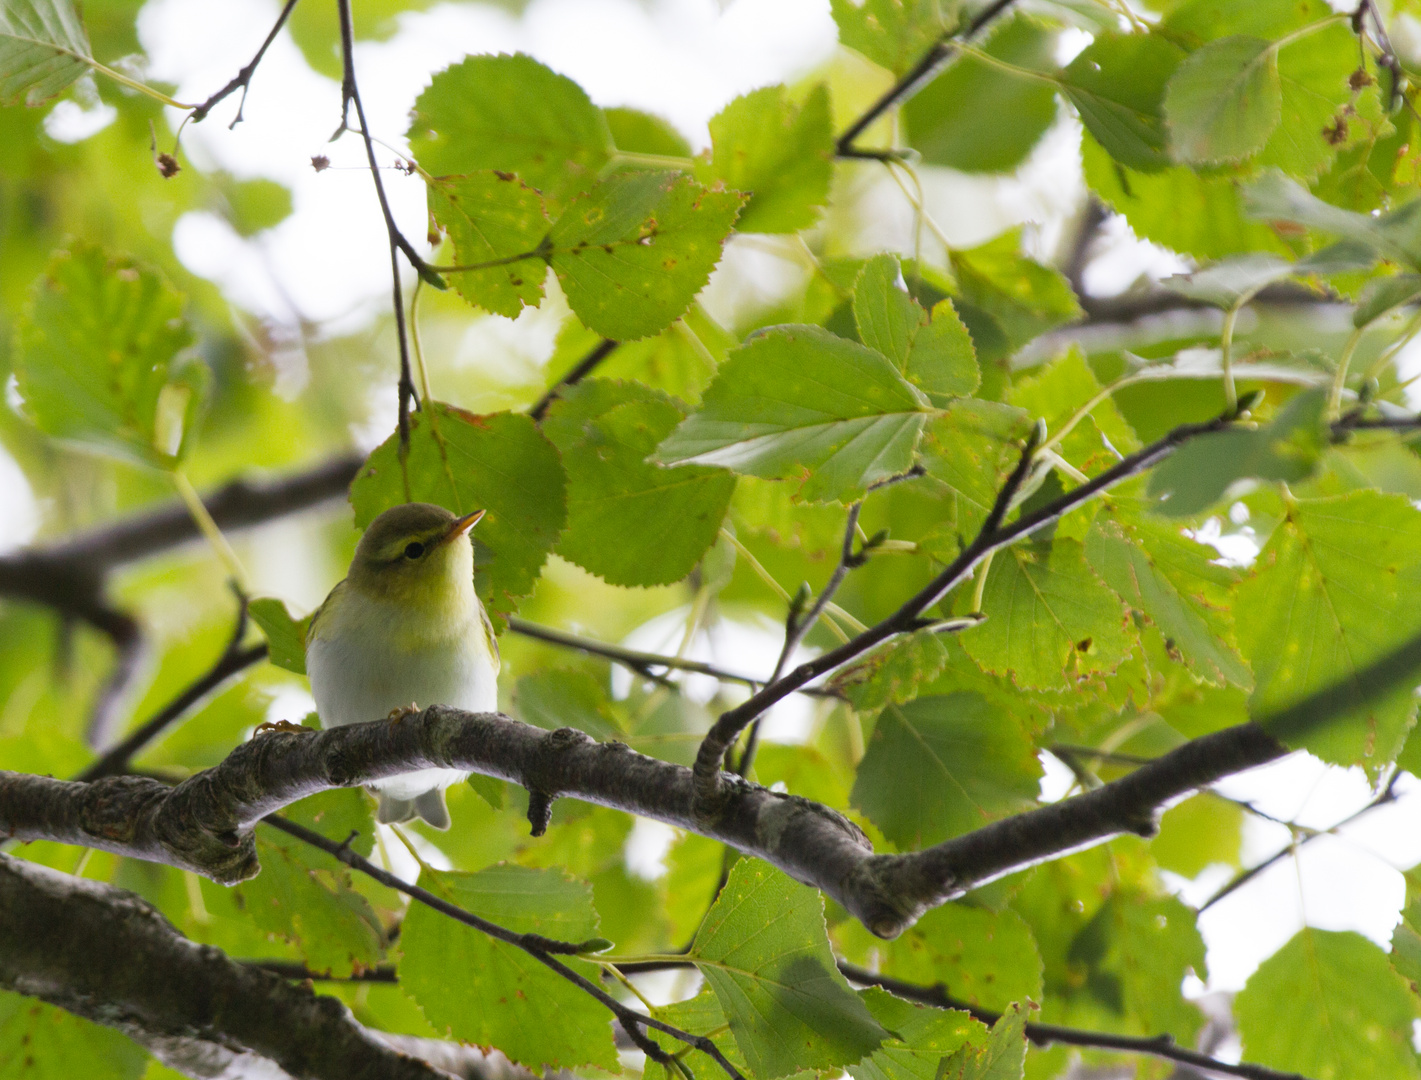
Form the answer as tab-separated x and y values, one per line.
357	674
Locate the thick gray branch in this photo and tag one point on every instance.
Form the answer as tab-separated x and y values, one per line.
205	823
105	954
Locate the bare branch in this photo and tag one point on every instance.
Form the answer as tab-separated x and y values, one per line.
585	367
243	79
105	954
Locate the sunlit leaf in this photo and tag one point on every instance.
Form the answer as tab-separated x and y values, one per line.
491	216
763	950
41	1042
920	1037
1117	84
285	634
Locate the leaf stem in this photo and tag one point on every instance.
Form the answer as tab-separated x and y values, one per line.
1339	378
210	532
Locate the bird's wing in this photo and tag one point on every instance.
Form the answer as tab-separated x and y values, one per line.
314	627
492	641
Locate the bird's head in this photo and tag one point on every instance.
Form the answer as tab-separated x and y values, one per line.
417	553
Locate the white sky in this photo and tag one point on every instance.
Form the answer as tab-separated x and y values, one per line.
682	59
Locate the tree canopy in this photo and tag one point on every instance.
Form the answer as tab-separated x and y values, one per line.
822	574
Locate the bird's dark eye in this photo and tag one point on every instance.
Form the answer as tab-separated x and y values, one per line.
414	550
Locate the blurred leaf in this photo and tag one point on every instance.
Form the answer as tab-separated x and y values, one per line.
499	463
1176	583
938	767
1200	473
1224	100
512	114
959	119
780	154
1117	84
43	48
97	346
1395	235
285	635
1200	832
1047	617
630	521
42	1042
313	908
633	252
638	132
919	1038
855	422
985	958
1020	296
254	205
1228	282
970	450
1331	593
1383	294
490	216
1328	1004
764	951
504	998
556	699
892	33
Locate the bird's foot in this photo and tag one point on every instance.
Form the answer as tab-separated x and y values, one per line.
400	712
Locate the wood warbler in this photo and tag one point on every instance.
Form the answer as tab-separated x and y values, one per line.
405	629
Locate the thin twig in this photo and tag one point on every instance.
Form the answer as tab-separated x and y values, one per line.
922	73
350	95
798	624
585	366
539	948
242	80
641	662
1243	877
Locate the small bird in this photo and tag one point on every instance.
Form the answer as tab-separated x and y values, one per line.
404	630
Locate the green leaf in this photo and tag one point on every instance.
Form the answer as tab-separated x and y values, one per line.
892	673
560	698
629	521
957	119
1200	473
937	356
892	33
1020	296
765	953
1228	282
1395	235
97	349
938	767
1174	581
1381	295
1332	592
921	1036
337	813
1131	958
638	132
968	452
491	216
502	997
1328	1005
313	908
500	463
700	1015
1200	832
633	252
1117	84
1178	208
1321	112
1003	1058
985	958
512	114
253	205
285	634
780	154
796	402
1224	100
42	1042
43	48
1048	618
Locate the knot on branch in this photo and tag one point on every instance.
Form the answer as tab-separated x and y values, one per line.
115	807
543	775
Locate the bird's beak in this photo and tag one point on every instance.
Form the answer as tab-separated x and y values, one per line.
459	526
